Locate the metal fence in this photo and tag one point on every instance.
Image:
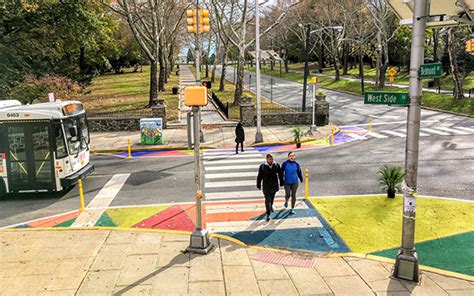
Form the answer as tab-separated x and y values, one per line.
121	114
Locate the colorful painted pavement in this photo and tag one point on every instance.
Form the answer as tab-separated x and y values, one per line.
364	224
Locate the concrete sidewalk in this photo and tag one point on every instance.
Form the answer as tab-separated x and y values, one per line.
215	137
104	262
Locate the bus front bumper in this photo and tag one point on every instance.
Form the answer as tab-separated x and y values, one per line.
82	174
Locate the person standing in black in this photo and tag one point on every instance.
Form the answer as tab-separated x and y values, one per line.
239	138
270	173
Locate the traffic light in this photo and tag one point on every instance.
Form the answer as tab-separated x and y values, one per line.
470	46
195	96
192	21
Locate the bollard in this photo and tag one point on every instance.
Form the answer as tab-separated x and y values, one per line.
129	149
81	195
370	125
306	184
332	136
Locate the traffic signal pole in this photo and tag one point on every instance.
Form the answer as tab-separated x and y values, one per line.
406	264
199	241
258	134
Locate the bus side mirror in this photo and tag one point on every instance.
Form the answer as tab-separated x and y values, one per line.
73	131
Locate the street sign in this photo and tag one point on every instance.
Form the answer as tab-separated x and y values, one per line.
430	70
392	72
390	98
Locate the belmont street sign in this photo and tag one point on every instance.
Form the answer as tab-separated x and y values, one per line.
430	70
390	98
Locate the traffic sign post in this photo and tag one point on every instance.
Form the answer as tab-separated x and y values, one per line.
430	70
389	98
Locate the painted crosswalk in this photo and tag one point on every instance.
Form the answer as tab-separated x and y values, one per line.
379	133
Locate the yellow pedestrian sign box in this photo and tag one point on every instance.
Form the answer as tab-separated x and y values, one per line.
314	80
195	96
391	74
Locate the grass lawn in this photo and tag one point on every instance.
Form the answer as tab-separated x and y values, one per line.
373	223
127	92
433	100
227	96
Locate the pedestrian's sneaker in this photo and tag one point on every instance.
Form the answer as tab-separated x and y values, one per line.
292	212
286	204
268	218
273	209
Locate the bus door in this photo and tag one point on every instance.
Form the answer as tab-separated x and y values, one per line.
30	160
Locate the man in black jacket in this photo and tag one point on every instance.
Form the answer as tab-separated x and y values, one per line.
270	173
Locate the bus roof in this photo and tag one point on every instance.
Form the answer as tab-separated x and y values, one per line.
51	110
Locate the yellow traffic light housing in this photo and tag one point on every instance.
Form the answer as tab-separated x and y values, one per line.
204	15
195	96
470	46
191	21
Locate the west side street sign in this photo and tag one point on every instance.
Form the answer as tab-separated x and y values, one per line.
430	70
390	98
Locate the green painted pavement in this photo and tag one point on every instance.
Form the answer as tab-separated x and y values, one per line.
105	220
67	223
453	253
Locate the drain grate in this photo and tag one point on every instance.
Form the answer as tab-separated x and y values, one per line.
284	259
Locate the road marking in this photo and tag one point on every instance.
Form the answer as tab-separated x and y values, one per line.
231	167
238	194
227	161
355	136
452	130
230	156
227	151
394	134
421	133
231	175
376	135
101	201
231	184
467	129
253	207
433	131
260	225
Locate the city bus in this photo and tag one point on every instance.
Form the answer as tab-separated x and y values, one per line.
43	147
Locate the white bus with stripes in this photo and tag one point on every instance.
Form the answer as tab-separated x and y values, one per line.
43	147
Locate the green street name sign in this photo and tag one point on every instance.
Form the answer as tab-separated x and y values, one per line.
430	70
390	98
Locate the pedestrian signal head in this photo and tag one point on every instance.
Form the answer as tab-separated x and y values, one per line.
195	96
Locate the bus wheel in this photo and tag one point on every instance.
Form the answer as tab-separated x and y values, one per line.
3	189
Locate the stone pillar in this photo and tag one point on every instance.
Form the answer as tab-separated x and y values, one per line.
159	110
322	110
247	114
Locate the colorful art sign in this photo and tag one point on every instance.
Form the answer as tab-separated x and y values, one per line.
151	130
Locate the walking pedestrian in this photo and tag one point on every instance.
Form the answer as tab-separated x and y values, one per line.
270	173
291	173
239	138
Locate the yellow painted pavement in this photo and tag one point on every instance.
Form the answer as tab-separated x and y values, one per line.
127	217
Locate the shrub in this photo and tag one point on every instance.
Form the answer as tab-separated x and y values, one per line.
33	89
390	179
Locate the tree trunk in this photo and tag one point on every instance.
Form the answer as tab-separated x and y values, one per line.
153	82
82	60
161	78
240	79
345	60
171	59
321	59
336	68
437	81
224	67
383	69
453	66
287	69
216	60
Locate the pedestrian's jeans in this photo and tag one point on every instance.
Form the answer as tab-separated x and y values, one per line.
290	189
269	202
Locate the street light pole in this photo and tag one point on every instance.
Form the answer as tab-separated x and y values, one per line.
199	241
258	134
306	66
406	264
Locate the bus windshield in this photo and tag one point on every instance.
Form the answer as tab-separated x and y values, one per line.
77	134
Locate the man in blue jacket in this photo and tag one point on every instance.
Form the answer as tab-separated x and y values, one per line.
291	173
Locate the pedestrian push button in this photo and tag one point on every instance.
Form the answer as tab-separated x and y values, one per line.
195	96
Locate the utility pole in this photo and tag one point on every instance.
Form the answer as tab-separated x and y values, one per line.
199	242
258	134
306	66
406	264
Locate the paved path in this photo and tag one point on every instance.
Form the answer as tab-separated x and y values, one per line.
101	262
209	114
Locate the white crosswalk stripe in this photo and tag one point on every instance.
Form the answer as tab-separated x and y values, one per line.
424	132
451	130
433	131
464	128
393	133
231	167
231	175
238	194
377	135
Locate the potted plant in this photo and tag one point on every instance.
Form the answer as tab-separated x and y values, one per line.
320	94
175	90
298	134
390	178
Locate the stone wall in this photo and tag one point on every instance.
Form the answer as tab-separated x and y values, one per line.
114	124
290	118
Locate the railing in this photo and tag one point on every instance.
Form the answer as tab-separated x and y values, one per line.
286	110
121	114
223	108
